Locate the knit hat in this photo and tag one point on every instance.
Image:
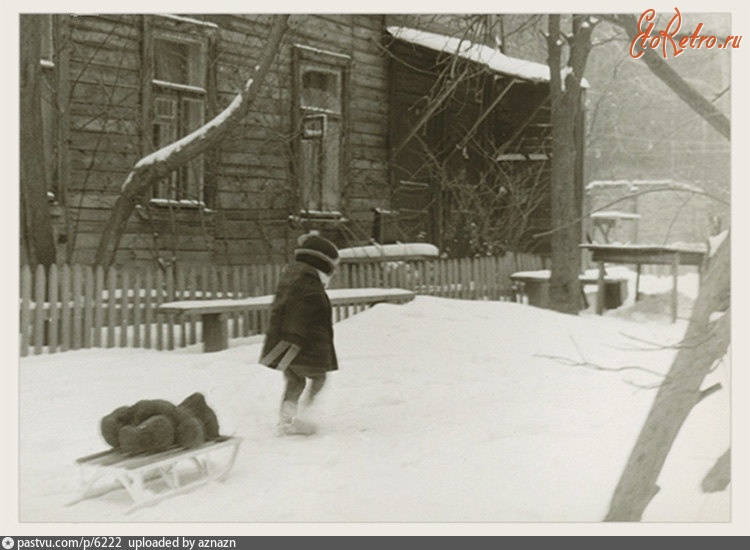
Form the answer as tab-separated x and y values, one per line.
318	252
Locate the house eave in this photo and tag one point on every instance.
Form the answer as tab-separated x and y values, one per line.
492	58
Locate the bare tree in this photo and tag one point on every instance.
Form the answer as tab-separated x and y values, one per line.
151	169
706	340
492	214
36	223
565	98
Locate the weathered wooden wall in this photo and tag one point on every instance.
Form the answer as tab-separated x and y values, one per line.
257	191
464	132
251	189
103	76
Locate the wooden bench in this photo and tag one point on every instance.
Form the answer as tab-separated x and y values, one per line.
214	313
535	285
152	477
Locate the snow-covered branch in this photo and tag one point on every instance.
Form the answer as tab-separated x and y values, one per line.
154	167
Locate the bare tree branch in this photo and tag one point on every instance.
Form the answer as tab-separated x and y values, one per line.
678	394
575	221
152	168
706	109
718	477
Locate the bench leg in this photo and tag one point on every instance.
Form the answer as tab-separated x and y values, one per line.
675	277
637	282
600	289
215	332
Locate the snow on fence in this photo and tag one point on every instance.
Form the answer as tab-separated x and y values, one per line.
78	307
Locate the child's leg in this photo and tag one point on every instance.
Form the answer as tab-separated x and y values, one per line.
316	384
295	385
289	424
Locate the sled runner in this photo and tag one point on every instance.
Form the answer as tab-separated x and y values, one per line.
153	477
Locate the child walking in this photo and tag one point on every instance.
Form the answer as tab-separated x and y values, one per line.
299	340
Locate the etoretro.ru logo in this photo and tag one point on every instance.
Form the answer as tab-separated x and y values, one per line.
667	40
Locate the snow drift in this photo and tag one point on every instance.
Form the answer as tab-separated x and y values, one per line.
443	411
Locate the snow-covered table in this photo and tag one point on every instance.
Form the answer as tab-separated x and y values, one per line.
213	313
639	254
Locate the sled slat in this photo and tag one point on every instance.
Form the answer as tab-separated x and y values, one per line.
134	472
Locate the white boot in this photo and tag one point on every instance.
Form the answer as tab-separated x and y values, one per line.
289	424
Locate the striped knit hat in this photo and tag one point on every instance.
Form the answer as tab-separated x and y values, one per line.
318	252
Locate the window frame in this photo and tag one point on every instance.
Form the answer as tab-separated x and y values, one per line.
306	58
201	38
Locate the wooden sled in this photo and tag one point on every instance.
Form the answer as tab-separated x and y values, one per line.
153	477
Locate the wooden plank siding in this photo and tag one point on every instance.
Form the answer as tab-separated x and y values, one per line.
255	191
252	191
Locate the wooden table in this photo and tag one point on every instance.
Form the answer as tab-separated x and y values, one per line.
640	254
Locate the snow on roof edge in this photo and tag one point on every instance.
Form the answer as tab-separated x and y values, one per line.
479	53
634	184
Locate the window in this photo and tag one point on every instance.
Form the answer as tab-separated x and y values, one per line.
179	98
321	91
321	114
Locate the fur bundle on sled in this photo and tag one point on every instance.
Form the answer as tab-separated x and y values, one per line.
153	425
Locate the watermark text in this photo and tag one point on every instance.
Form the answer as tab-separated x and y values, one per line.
669	41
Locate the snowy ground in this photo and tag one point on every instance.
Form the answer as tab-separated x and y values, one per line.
443	411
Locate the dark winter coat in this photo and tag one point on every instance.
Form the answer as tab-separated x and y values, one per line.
301	314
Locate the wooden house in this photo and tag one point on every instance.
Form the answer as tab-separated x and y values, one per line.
363	130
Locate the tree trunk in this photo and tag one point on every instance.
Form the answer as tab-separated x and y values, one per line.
705	341
565	100
151	169
36	222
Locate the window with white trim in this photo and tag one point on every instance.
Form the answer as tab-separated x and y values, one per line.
179	98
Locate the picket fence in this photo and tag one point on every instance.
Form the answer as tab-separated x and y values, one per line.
77	307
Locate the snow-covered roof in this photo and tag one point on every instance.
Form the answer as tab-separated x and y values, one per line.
479	53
